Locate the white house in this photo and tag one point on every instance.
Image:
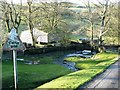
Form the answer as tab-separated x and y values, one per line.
39	36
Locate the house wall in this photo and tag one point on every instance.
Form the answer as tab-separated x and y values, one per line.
39	36
43	39
26	37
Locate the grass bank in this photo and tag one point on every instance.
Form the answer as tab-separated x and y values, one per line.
89	69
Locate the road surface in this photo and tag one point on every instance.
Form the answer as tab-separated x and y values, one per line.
108	79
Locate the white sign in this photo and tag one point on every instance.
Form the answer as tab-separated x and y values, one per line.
13	42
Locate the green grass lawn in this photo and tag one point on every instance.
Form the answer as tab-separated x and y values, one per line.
89	69
31	76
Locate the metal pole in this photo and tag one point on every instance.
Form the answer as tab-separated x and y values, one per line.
15	70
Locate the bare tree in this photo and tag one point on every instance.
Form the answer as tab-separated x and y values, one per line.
91	20
52	22
31	17
91	17
113	25
10	15
30	23
46	17
104	15
1	37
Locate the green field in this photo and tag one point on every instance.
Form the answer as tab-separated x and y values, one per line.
89	69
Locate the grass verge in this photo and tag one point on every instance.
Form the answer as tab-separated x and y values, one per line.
89	69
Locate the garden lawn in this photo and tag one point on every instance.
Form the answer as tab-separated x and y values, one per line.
89	69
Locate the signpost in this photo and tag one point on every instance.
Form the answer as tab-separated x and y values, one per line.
14	43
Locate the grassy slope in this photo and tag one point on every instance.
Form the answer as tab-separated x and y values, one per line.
89	68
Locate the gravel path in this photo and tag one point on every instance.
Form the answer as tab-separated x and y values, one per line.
109	79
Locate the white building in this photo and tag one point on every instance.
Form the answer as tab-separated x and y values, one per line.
39	36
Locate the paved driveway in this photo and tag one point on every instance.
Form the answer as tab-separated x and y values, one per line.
109	79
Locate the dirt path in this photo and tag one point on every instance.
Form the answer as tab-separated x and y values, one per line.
109	79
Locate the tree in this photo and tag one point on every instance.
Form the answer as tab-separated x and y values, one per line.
46	17
104	16
113	25
32	17
91	20
10	15
30	23
91	17
1	37
52	21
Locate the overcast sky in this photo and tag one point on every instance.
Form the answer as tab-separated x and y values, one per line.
73	1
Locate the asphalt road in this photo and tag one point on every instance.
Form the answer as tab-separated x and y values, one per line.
108	79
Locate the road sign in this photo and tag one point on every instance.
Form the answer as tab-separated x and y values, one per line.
13	42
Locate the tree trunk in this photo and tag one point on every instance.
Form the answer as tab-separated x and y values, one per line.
30	22
92	37
32	35
101	48
101	31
